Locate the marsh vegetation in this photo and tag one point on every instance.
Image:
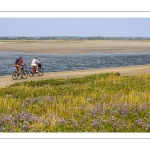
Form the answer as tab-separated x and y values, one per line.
96	103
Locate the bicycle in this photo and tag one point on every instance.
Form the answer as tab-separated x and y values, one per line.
32	71
24	73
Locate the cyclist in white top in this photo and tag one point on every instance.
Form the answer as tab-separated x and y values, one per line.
35	63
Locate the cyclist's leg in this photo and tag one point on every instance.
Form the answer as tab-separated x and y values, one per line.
34	67
17	68
37	67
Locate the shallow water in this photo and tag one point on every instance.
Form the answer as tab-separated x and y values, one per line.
66	62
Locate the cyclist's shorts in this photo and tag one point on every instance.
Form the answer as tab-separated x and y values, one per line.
33	65
16	65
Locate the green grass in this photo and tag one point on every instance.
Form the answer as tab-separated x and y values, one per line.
97	103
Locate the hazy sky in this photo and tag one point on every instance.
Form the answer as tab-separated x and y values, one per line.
135	27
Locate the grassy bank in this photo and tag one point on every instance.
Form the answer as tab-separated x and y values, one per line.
96	103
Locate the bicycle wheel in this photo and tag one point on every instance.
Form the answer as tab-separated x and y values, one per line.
40	73
14	75
24	74
31	74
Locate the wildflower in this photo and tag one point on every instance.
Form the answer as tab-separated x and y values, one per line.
95	123
146	127
34	118
115	125
125	112
25	126
2	129
139	122
75	124
48	98
112	118
27	117
62	121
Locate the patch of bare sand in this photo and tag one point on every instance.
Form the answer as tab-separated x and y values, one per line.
124	71
77	46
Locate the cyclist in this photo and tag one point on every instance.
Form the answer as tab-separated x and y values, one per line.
18	63
35	63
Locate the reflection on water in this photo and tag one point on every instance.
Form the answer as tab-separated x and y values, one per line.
64	62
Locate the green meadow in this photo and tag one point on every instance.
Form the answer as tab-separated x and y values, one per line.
96	103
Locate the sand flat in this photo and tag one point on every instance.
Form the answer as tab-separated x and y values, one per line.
77	46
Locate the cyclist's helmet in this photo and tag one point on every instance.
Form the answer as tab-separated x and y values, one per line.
20	57
36	57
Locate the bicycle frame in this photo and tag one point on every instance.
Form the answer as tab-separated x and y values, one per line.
23	73
34	70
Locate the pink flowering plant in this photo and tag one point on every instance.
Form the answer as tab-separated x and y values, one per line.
97	103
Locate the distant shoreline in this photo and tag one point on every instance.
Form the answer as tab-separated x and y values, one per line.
76	46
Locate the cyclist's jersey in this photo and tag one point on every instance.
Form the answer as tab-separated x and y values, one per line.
20	62
34	62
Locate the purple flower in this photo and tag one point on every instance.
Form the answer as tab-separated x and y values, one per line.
146	127
62	121
95	123
139	122
125	112
27	117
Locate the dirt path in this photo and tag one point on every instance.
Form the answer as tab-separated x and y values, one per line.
124	71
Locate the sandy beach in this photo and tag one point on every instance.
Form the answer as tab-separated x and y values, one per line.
78	47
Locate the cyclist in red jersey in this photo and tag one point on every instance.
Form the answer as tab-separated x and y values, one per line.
18	63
